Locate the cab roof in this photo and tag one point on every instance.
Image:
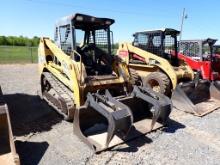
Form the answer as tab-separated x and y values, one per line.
164	30
85	22
207	40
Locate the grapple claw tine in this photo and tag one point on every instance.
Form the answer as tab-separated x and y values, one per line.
111	133
156	114
160	103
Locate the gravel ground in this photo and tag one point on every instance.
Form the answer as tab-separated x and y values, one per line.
42	137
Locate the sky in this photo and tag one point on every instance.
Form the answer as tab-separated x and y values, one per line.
37	17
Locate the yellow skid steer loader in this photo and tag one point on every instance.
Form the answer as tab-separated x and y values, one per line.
83	81
153	56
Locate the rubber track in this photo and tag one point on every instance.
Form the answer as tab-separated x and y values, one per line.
65	96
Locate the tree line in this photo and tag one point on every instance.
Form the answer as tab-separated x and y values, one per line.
25	41
19	41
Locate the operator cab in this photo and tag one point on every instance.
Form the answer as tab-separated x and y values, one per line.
200	50
216	49
162	42
88	39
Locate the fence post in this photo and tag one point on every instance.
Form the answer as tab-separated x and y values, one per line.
31	55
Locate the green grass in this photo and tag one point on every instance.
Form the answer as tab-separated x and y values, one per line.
17	54
21	54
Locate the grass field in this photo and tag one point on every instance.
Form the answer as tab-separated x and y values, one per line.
20	54
17	54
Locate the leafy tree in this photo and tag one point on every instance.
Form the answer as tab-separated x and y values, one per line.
19	41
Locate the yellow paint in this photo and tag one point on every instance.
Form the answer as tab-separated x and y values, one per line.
174	73
73	74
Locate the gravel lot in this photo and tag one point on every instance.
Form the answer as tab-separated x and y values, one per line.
42	137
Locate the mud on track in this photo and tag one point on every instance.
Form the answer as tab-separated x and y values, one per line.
42	137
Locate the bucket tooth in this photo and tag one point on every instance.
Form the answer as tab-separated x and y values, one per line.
156	114
198	99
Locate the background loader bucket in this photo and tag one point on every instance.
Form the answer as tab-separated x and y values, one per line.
92	127
8	153
198	99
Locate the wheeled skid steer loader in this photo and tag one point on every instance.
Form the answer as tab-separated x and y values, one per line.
200	56
153	56
83	81
8	155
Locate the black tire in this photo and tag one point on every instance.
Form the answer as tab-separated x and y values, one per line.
159	82
136	79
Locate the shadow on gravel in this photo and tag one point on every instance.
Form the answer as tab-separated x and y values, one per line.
30	114
31	152
173	126
134	144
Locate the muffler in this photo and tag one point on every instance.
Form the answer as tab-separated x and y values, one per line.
198	98
105	121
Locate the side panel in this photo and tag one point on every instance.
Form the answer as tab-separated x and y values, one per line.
42	53
66	70
151	59
204	66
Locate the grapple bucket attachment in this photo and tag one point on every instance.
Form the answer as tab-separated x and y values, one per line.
198	98
8	153
105	121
